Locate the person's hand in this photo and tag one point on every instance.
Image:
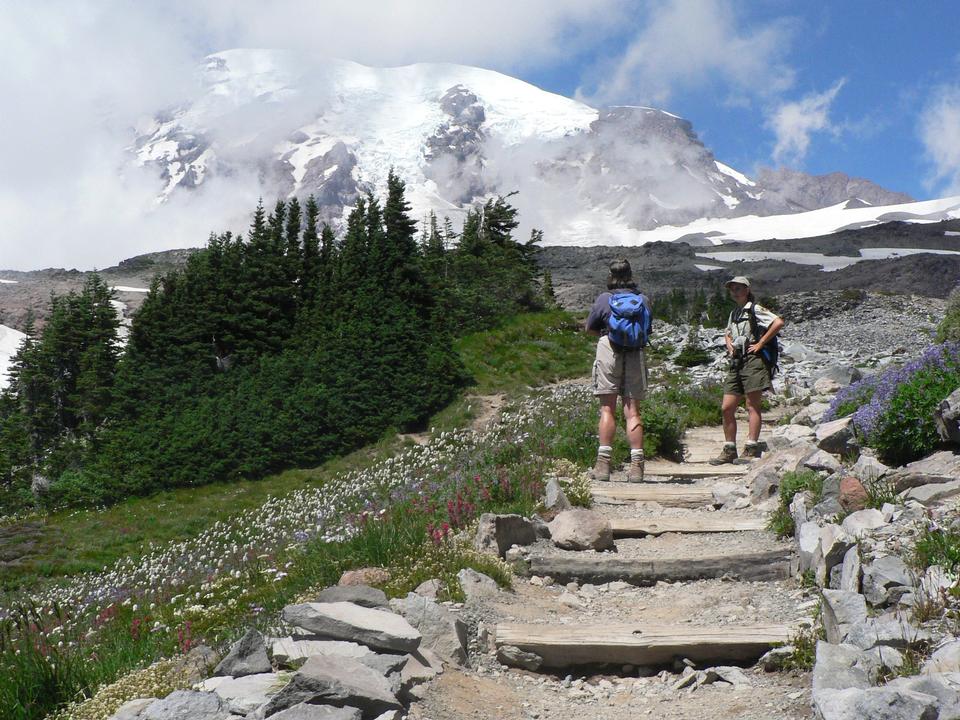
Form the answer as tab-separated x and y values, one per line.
755	348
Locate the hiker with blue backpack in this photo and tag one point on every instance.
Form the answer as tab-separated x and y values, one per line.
621	318
753	350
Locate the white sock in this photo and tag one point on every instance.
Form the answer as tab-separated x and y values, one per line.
729	445
605	451
636	454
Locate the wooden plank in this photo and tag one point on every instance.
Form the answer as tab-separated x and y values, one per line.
701	523
766	565
693	469
667	495
640	644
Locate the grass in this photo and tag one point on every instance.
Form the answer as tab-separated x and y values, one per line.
781	521
937	546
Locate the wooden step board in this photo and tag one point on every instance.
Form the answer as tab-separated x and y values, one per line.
592	568
685	496
700	523
641	644
693	470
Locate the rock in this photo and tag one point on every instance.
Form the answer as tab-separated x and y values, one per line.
733	675
581	529
243	695
835	436
883	574
945	659
344	621
196	664
764	484
944	687
555	499
881	703
831	486
429	589
940	467
187	705
515	657
132	710
336	681
826	386
774	660
362	595
497	533
850	570
947	418
931	494
886	657
443	632
840	666
365	576
288	652
857	523
811	414
798	511
783	437
826	510
853	495
841	609
476	585
808	540
840	373
821	460
305	711
727	494
248	656
894	632
833	545
868	469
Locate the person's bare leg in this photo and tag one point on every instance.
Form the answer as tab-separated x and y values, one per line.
631	410
606	431
729	411
754	400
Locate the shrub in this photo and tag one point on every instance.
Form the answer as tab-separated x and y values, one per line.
781	521
693	352
937	546
949	328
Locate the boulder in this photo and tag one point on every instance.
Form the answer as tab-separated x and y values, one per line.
826	386
945	687
947	418
362	595
498	533
945	659
821	460
365	576
515	657
932	494
896	632
476	585
581	530
841	610
840	373
729	495
835	436
811	414
243	695
834	544
841	666
940	467
340	681
879	703
555	500
826	510
868	469
132	710
345	621
248	656
785	436
859	522
764	484
422	667
429	589
798	511
808	539
443	632
291	653
187	705
831	486
853	495
305	711
850	570
883	574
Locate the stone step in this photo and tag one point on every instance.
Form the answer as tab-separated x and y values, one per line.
699	523
563	646
597	569
684	496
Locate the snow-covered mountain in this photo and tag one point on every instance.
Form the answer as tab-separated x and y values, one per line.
457	134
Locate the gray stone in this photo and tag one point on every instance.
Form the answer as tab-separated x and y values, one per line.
288	652
827	508
850	570
840	666
834	544
868	469
940	467
243	695
248	656
881	703
385	663
857	523
476	585
886	657
785	436
305	711
808	540
515	657
945	687
362	595
840	373
883	574
443	632
774	660
831	486
429	589
733	675
132	710
338	681
835	436
811	414
498	533
187	705
728	495
947	418
798	511
821	460
422	667
345	621
841	610
554	497
933	493
764	484
887	630
945	659
581	529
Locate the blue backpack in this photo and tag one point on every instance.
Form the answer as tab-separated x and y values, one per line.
630	320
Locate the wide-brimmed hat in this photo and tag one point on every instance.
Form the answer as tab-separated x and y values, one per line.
738	280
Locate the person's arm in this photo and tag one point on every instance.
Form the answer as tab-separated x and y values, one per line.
592	324
775	326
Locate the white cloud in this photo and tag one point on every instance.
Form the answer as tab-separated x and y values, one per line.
940	134
688	44
793	123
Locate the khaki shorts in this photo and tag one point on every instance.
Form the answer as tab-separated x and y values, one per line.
749	376
619	373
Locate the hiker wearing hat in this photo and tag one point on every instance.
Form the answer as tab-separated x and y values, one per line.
621	318
750	332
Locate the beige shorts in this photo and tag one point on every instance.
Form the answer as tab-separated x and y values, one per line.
619	373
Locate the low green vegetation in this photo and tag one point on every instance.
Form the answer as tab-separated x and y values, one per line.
937	546
781	521
692	353
949	328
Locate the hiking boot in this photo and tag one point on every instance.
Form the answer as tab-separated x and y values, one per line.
635	471
727	455
601	471
752	450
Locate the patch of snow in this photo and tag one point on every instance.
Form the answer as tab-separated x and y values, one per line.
828	263
950	233
730	172
126	288
10	341
9	282
708	268
887	253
